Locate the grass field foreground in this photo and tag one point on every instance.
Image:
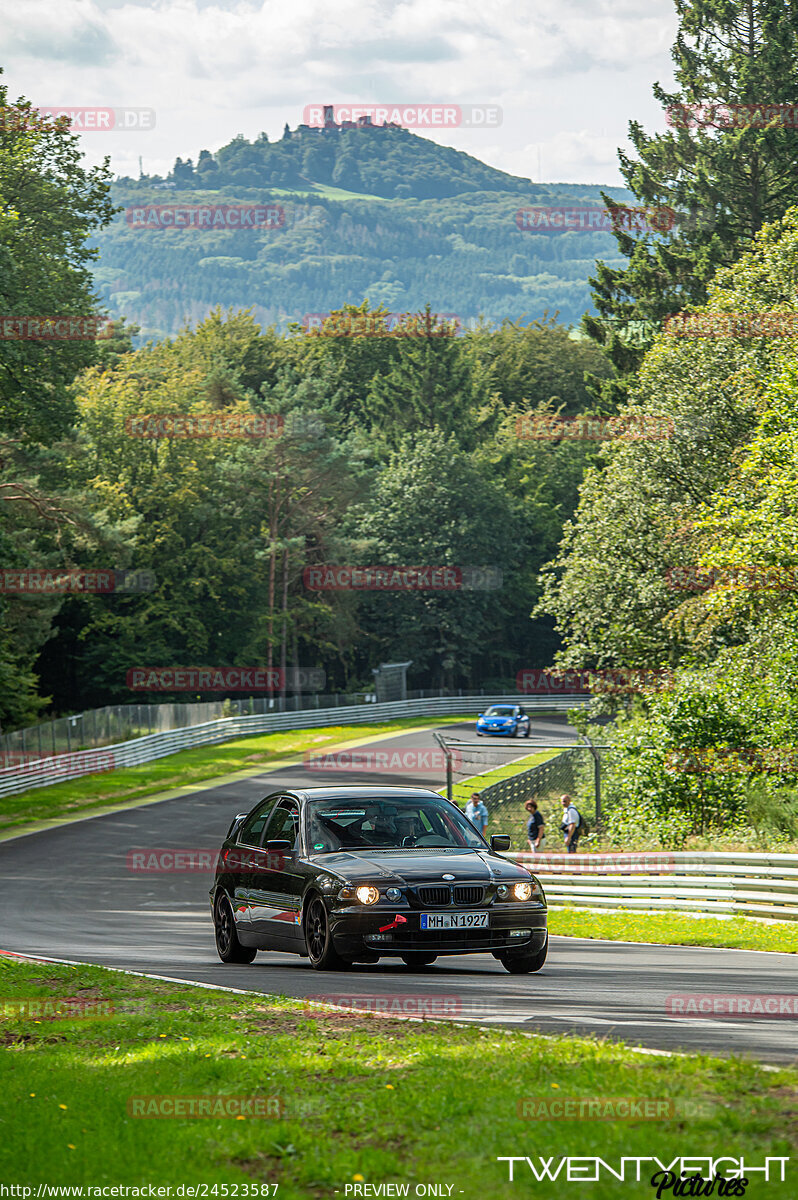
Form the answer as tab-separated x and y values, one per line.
347	1097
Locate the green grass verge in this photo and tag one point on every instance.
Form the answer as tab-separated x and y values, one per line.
463	788
364	1099
76	797
671	929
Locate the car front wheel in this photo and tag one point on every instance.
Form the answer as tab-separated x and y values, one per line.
228	946
318	939
524	964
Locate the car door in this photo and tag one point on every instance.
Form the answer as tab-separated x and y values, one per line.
276	881
242	859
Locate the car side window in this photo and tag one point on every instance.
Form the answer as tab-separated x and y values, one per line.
251	831
283	826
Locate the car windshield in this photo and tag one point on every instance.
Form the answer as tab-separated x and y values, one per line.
388	824
500	710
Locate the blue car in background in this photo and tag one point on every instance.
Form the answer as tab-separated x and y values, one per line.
504	720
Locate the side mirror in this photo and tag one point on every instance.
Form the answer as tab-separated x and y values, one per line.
279	846
500	841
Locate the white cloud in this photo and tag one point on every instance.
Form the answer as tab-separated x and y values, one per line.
568	78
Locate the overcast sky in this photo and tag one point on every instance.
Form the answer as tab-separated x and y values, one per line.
567	76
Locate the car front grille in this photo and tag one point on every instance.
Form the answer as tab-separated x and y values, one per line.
459	894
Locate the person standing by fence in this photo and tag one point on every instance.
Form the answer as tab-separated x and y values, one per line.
571	824
534	827
477	813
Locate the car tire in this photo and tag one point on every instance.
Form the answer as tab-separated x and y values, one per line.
515	731
528	729
417	960
479	734
318	940
524	964
228	946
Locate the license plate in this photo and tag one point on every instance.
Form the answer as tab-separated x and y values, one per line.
472	920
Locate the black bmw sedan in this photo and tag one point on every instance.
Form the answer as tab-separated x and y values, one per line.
353	874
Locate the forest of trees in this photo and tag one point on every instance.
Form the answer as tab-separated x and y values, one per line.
669	553
454	242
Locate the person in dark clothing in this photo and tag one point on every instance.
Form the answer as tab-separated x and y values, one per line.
534	827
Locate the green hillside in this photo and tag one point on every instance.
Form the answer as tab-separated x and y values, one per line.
380	213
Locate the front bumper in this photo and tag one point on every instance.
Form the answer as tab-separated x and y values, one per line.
497	730
356	930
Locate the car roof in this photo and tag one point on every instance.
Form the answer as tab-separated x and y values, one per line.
360	791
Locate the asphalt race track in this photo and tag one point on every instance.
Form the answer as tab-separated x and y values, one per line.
68	893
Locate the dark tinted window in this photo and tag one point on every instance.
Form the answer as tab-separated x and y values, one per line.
284	825
388	824
252	829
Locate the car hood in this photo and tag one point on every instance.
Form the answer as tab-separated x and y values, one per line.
387	867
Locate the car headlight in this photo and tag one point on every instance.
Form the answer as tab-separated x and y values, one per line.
518	891
365	894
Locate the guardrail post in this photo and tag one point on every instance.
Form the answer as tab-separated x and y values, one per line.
448	754
596	778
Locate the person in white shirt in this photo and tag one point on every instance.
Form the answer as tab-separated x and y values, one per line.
570	824
477	813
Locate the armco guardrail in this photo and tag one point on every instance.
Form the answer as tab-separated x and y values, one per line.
706	882
41	772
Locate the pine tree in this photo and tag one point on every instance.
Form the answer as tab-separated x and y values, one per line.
726	166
